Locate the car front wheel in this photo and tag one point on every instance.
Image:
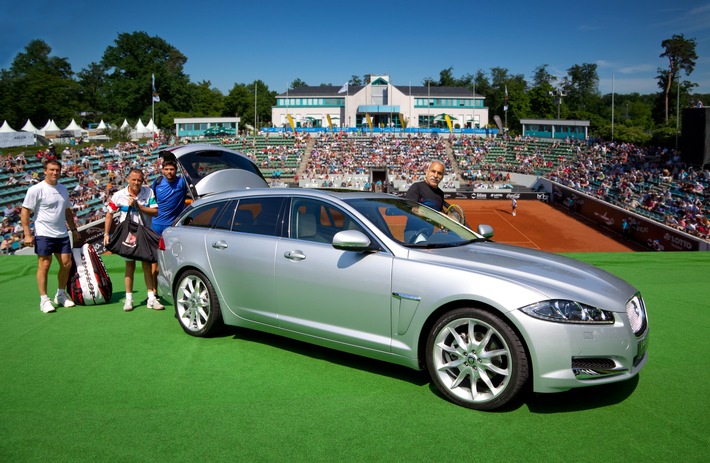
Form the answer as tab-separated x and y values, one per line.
475	359
196	304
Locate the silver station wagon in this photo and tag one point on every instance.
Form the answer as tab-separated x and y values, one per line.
387	278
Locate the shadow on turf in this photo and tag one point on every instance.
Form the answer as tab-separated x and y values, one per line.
585	398
419	378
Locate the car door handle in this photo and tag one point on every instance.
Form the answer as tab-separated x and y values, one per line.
220	245
294	255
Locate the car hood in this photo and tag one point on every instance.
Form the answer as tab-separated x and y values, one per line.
552	275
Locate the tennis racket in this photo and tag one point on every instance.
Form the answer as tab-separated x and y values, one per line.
456	212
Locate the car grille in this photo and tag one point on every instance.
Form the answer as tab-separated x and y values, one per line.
636	312
594	368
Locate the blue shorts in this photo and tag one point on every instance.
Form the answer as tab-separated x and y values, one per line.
46	246
158	228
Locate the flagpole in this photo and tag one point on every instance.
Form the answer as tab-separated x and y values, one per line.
152	100
612	107
254	109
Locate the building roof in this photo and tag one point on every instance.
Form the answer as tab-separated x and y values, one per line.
416	91
565	122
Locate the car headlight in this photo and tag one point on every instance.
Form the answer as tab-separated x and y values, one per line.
562	311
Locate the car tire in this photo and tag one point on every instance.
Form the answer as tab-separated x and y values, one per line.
196	304
475	359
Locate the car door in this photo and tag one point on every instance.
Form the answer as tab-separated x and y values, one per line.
242	258
343	296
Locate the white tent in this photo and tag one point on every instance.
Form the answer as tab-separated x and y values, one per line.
29	127
140	127
73	126
5	128
152	127
125	125
101	125
50	126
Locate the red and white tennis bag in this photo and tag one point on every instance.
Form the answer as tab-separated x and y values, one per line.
89	282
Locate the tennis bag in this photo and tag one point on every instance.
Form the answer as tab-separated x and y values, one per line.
89	283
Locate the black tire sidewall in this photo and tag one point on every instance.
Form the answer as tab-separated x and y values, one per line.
518	357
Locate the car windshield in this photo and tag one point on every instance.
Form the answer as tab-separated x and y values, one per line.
412	224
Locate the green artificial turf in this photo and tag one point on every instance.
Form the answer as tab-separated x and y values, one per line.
97	384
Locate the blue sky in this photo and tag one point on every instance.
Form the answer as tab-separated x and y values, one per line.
277	41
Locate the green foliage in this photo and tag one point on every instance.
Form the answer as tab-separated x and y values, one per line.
130	64
664	136
681	56
40	86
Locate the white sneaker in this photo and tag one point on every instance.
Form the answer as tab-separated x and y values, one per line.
46	306
155	304
128	305
63	300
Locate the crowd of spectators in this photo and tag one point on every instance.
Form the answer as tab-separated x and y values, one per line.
275	158
654	182
348	158
91	172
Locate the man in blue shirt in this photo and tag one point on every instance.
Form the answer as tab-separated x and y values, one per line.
170	192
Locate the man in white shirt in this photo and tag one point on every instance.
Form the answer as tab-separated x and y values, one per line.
135	202
49	201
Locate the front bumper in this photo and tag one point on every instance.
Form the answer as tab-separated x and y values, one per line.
567	356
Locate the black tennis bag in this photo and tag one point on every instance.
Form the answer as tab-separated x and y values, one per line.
89	283
134	241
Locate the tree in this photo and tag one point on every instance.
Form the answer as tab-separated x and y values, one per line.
581	85
297	83
38	87
446	78
92	81
241	99
542	103
542	78
206	101
130	64
681	57
355	80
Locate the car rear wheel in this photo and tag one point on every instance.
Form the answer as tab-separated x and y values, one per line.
475	359
196	305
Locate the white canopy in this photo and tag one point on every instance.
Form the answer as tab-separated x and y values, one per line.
6	128
73	126
140	127
50	126
125	124
101	125
152	127
29	127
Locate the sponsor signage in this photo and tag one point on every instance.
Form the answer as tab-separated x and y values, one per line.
642	230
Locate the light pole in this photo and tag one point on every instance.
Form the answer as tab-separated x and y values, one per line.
677	114
557	95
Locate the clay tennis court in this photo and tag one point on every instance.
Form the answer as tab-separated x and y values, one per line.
538	225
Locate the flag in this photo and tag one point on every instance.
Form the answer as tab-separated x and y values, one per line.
505	105
344	88
156	97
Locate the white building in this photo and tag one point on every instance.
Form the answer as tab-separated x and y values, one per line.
385	104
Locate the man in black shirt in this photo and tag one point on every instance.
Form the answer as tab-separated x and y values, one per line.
427	192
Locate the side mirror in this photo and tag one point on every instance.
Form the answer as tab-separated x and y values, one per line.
352	240
486	231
